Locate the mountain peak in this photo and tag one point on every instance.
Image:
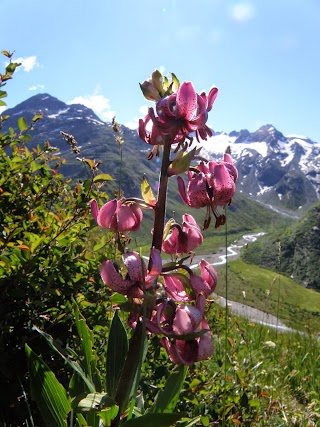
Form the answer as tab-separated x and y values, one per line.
42	102
269	134
51	107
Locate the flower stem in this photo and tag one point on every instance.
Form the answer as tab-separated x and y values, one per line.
160	208
137	342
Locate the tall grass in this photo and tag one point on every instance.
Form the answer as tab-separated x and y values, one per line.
257	377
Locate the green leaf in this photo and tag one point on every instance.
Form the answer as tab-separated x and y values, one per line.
118	298
10	69
93	401
22	124
154	420
55	345
116	353
86	339
182	160
37	117
106	415
2	103
176	83
254	402
147	193
3	94
167	398
50	395
102	177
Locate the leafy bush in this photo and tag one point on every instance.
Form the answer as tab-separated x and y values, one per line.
45	258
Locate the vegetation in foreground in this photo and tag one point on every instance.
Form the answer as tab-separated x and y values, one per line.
257	376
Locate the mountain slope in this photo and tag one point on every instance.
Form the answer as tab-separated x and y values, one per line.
274	169
97	141
295	251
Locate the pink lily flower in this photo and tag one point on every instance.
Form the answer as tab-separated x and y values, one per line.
183	239
135	280
175	288
207	282
115	215
211	185
177	321
178	115
183	352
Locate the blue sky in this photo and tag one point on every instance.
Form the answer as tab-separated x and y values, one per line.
264	56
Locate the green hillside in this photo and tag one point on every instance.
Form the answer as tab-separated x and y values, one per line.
294	251
273	293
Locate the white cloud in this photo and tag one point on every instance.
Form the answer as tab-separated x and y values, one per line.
242	12
27	64
36	87
98	103
3	108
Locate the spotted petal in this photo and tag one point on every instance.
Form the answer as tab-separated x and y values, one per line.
112	278
186	101
133	263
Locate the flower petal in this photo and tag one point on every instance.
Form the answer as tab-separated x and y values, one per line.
106	215
182	322
205	347
209	273
182	191
197	191
94	209
112	278
170	244
186	101
133	262
211	97
224	186
126	219
175	289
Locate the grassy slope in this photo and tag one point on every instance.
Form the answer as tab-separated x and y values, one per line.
271	292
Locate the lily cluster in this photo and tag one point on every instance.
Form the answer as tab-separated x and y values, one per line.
210	185
178	313
171	296
178	309
177	115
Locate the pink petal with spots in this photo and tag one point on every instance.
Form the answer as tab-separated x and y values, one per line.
133	262
205	347
112	278
175	288
182	322
186	101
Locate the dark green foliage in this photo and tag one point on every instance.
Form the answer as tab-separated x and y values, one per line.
45	258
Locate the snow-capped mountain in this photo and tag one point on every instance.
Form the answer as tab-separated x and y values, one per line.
273	168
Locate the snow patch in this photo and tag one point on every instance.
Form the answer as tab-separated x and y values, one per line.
296	136
263	190
59	113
